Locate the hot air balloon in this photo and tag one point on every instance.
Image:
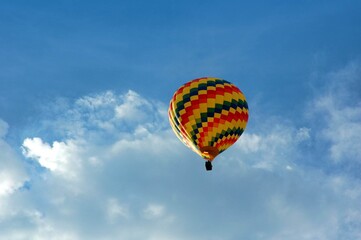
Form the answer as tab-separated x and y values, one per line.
208	115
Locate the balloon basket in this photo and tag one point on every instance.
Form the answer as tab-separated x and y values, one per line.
208	165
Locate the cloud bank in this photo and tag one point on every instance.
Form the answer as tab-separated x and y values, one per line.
110	168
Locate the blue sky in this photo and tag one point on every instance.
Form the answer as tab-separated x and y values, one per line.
86	150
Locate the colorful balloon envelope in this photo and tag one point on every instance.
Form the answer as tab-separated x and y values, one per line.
208	115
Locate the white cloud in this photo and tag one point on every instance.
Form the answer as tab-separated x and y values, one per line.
140	182
250	142
274	148
8	182
37	228
153	211
103	115
131	108
340	109
342	128
116	209
55	158
104	133
12	173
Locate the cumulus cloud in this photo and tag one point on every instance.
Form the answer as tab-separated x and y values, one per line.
131	109
339	106
58	157
102	116
108	177
99	128
278	148
343	126
12	173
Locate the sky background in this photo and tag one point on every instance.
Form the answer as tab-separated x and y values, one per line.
86	150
